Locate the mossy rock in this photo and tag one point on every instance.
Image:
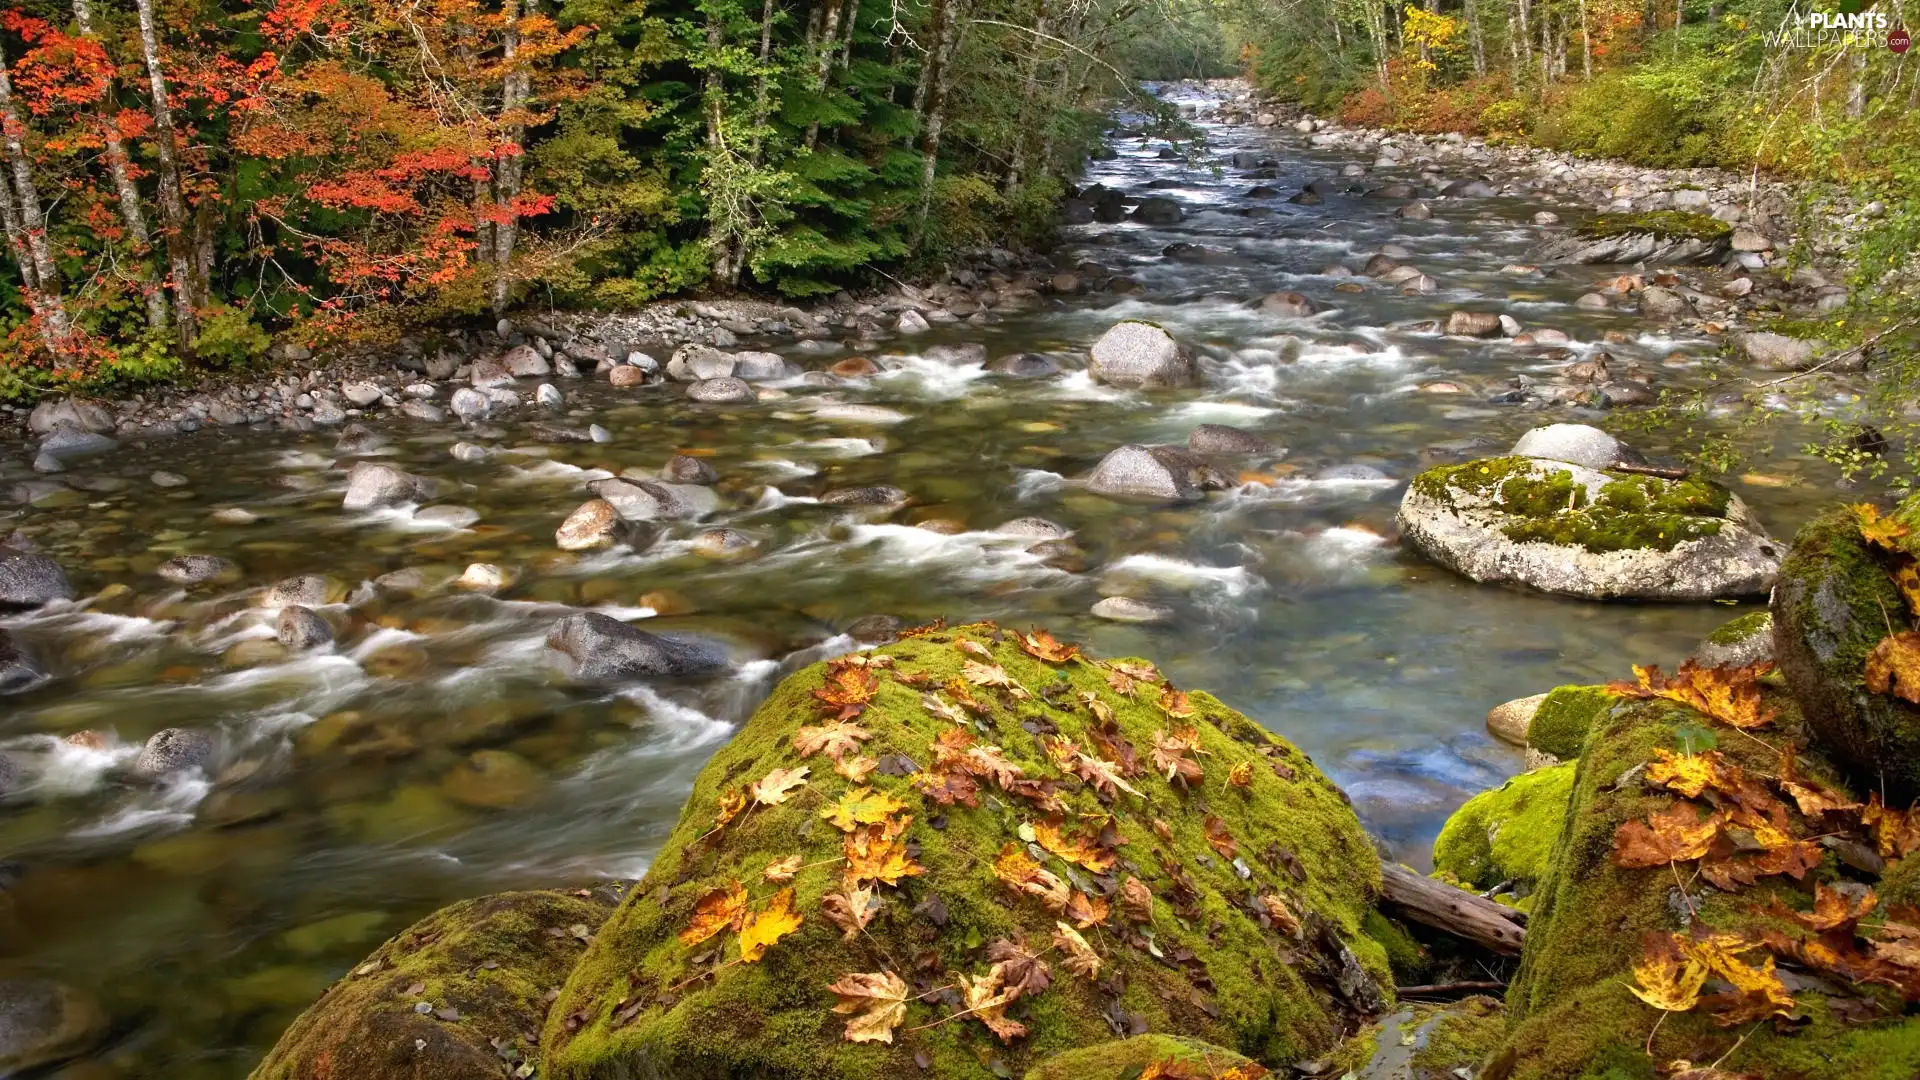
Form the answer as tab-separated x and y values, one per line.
1833	605
1666	224
1561	724
642	1004
1576	531
483	967
1571	1013
1420	1042
1126	1059
1740	642
1461	1036
1507	834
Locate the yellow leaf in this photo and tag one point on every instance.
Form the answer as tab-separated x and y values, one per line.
777	786
877	1001
1669	980
1688	775
1893	667
763	928
993	676
729	805
1887	532
1730	695
714	912
1041	646
781	870
1023	875
861	806
856	769
1175	703
1051	834
1241	775
836	739
1080	957
1675	834
877	853
987	1002
847	690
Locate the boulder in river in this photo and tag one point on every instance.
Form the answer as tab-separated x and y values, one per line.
595	524
372	485
1740	642
71	412
603	648
1140	354
19	669
1505	836
171	751
299	627
1576	531
727	391
1024	365
43	1022
1777	352
1576	444
198	569
1254	895
1470	189
1473	324
29	579
1226	441
1291	305
455	996
1159	473
641	499
687	469
1158	210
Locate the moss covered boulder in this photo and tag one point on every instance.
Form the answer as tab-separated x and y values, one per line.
1127	1059
459	995
1667	236
1578	531
1502	838
1598	914
1835	602
1005	851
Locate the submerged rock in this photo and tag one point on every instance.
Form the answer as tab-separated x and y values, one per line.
595	524
29	579
43	1022
198	569
1139	354
19	669
301	628
174	750
1256	937
602	647
1577	531
1226	441
1147	472
1665	236
372	485
455	996
1125	609
640	499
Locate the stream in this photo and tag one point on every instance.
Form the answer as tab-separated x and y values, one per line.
434	752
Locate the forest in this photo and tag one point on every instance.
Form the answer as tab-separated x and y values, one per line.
189	180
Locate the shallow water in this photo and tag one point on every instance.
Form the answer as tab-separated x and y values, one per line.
345	803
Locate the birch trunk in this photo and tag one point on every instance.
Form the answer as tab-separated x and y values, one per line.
516	90
27	227
124	189
175	221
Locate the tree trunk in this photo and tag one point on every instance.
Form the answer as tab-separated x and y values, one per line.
1477	38
846	42
188	296
124	189
946	43
1029	89
721	243
1586	43
27	228
516	89
1454	910
1525	35
823	65
1857	84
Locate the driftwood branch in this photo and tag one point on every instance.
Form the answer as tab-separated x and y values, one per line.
1455	911
1438	989
1664	472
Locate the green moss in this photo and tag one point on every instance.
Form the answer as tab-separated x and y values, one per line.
1462	1037
1507	834
1560	725
1547	505
490	961
1670	224
1353	1055
1242	985
1572	1016
1406	957
1125	1059
1738	630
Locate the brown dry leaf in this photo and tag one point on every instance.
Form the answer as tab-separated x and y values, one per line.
1794	858
763	928
1832	909
1020	969
1170	755
1812	797
1895	832
1103	775
1675	834
877	853
1120	682
936	705
1020	873
1887	532
847	690
957	690
1052	835
1669	979
1080	959
851	910
988	761
1041	645
837	739
1730	695
947	787
866	660
994	677
782	870
1136	900
1220	839
1084	911
1059	749
728	806
974	648
1893	667
1281	915
1241	775
877	1001
856	769
1102	712
861	806
925	629
987	1002
718	910
1176	1069
778	786
1175	704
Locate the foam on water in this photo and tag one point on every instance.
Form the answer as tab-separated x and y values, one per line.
1232	582
930	379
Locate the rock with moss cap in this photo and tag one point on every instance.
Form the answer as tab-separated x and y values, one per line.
1834	604
999	787
1127	1059
455	996
1667	236
1740	642
1571	1012
1577	531
1502	838
1560	725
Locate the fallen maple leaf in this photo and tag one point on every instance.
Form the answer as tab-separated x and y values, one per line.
781	870
718	910
836	739
1220	839
851	910
856	769
1084	911
728	806
777	786
934	704
847	691
1080	959
1020	969
1241	775
877	853
1136	900
1893	667
1887	532
1175	704
988	761
763	928
877	1000
1906	578
993	676
1669	979
1020	873
1688	774
1170	755
1730	695
948	786
1832	908
1281	915
1895	832
1052	835
1041	646
987	1002
1813	798
1675	834
1102	712
1102	775
861	806
974	648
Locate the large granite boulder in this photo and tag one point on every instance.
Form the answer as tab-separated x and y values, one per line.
983	812
1577	531
601	647
1139	354
452	997
29	579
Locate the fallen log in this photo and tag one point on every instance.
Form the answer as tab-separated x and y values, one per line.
1454	911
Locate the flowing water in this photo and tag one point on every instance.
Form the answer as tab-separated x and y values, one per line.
346	801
